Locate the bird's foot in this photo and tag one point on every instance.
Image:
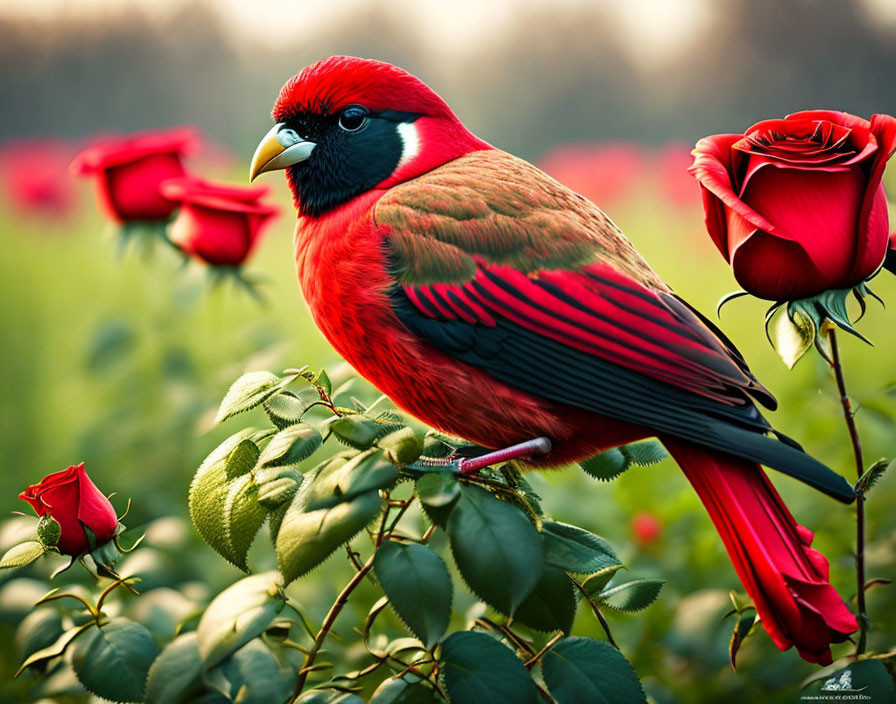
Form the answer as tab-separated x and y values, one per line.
469	465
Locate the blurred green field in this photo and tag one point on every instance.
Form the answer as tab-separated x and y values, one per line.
120	361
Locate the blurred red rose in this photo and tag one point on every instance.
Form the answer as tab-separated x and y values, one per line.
218	223
35	176
74	501
796	205
647	529
129	170
603	172
676	184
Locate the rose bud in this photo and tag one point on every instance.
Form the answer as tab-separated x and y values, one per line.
74	501
217	223
129	170
796	205
647	529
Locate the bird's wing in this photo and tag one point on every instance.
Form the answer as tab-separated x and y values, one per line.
502	267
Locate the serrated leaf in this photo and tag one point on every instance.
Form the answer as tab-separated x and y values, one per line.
645	452
284	409
38	630
478	668
632	596
438	492
177	673
575	550
22	554
400	691
252	675
741	631
496	548
341	479
595	584
305	539
113	661
224	511
247	392
290	446
872	475
401	447
406	572
356	430
241	459
278	491
323	380
48	531
578	670
238	614
551	605
607	465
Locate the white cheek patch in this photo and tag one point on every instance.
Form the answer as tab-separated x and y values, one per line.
410	140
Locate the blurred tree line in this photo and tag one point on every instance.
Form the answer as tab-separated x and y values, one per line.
551	75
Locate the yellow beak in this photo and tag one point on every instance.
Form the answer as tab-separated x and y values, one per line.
280	148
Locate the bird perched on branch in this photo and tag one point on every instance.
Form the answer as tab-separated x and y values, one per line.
452	275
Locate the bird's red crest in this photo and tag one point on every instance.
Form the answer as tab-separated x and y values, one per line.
338	81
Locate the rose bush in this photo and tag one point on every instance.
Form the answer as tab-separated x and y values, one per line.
217	223
73	500
130	169
796	205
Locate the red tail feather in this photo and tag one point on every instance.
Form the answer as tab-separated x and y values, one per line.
785	577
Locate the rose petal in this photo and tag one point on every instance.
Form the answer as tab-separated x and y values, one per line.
773	268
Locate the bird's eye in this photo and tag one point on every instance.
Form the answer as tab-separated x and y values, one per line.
353	118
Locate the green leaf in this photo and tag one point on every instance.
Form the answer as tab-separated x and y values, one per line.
323	380
241	459
238	614
402	447
794	334
22	554
438	492
38	630
595	584
280	490
285	408
177	673
551	605
252	675
305	539
645	452
872	475
739	634
341	479
401	691
113	661
496	548
578	670
44	655
48	531
478	668
632	596
607	465
575	550
247	392
406	572
356	430
226	511
290	446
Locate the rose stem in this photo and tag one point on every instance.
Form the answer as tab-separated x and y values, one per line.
860	497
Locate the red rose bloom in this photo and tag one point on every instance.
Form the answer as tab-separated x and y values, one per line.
796	205
35	177
218	223
74	501
603	173
647	529
130	169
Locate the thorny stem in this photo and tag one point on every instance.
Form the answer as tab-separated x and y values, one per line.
330	619
860	496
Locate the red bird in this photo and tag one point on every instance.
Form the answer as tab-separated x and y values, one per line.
451	275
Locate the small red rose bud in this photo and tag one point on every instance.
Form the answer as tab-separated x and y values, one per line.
130	169
75	503
647	529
